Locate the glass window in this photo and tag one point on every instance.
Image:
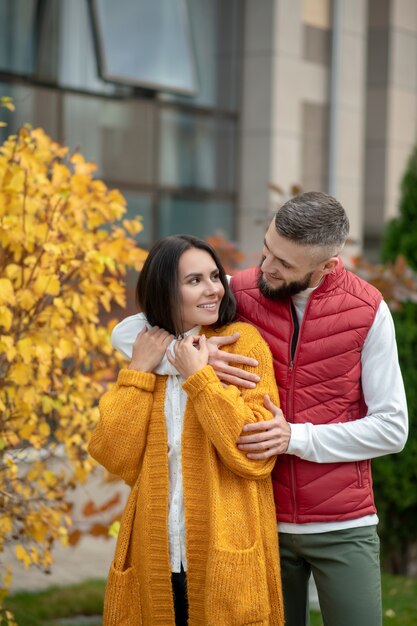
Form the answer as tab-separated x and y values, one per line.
145	43
17	35
216	33
140	204
115	134
37	106
196	151
197	217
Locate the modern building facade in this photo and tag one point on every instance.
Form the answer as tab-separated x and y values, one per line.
198	110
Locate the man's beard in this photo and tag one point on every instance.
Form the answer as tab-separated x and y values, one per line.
286	290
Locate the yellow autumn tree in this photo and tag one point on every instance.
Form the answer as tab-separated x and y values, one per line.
64	250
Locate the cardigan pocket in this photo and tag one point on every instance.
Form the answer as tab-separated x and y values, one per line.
122	598
237	590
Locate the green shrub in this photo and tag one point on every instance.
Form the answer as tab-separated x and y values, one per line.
395	476
400	235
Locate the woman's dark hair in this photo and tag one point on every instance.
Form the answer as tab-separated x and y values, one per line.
158	292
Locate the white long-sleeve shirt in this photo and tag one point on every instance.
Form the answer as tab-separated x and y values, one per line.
174	408
383	430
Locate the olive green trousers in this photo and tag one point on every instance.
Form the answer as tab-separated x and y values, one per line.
346	569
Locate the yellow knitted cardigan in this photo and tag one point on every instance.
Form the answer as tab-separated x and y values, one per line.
233	575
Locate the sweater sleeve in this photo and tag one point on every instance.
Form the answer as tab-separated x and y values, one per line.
118	441
223	411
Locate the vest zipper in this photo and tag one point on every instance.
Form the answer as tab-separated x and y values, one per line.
294	349
294	341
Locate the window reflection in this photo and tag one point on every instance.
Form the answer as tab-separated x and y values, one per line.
197	217
196	151
17	36
145	43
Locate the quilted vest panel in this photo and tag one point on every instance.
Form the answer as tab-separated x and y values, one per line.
320	384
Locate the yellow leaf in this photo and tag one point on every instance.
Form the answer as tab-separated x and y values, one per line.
22	555
60	175
37	530
34	555
20	373
47	404
50	478
6	317
65	348
44	429
53	287
133	227
6	291
114	529
6	524
6	346
12	271
26	431
26	299
46	285
7	103
25	349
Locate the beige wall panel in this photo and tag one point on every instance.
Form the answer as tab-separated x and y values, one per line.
285	85
286	160
288	28
353	67
257	93
314	83
404	15
403	65
351	146
253	225
255	170
402	117
354	16
350	196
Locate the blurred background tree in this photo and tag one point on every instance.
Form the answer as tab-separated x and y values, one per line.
64	252
400	235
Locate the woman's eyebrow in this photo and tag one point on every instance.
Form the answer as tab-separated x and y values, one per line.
193	274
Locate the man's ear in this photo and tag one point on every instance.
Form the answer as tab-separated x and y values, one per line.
330	265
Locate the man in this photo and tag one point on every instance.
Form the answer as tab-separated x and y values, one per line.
342	395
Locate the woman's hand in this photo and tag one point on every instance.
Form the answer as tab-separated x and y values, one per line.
149	348
191	354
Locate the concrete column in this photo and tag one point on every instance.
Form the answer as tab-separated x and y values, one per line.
347	109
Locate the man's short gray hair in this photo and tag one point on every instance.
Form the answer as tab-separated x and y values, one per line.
315	219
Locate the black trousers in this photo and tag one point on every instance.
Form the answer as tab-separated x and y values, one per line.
179	590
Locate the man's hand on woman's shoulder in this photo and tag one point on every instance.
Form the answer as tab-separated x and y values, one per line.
221	363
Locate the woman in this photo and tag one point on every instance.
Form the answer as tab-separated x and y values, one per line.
198	542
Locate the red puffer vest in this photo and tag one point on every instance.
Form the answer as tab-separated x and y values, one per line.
319	380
